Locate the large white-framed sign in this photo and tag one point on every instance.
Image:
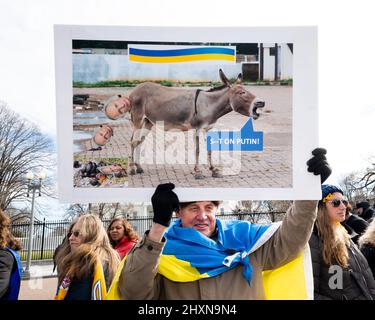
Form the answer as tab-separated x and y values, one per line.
223	113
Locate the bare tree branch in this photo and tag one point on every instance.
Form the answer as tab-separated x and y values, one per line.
22	148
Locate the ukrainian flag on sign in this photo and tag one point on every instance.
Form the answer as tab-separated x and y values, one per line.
178	54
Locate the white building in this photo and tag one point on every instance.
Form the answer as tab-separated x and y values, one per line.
276	62
263	61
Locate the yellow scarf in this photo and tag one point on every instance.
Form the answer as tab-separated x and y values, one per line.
98	288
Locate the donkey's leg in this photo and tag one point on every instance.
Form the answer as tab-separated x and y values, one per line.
134	167
131	164
216	171
140	136
197	172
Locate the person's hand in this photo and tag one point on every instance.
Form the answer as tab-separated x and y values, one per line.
164	202
318	164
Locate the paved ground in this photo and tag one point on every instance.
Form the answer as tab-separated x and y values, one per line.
41	285
38	289
271	168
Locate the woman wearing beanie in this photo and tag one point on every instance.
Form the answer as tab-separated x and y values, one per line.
340	270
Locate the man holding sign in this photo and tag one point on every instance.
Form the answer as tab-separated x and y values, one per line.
199	257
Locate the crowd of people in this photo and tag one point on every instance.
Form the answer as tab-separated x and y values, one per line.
200	257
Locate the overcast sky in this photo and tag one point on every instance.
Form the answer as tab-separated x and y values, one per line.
345	44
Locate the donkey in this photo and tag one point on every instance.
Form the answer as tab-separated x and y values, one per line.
185	109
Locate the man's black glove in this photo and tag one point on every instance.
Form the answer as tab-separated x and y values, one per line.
318	164
164	202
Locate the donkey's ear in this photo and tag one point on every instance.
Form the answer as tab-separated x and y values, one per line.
223	78
239	78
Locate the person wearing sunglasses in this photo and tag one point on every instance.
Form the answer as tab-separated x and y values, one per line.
340	270
86	262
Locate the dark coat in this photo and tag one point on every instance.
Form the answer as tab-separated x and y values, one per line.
368	250
368	215
358	225
7	264
357	280
81	289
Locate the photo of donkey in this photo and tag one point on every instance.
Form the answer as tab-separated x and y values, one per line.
163	118
185	109
193	112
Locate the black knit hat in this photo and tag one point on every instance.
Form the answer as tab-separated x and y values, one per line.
364	204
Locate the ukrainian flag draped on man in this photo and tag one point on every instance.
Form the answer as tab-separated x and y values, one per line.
190	256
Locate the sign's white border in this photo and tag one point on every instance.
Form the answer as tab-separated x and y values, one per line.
306	186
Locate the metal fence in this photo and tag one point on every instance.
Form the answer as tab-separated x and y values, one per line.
49	234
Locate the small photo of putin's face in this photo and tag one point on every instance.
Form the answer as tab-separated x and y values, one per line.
103	135
117	107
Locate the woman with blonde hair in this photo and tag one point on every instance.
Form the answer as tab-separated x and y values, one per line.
340	270
367	246
10	263
122	236
86	262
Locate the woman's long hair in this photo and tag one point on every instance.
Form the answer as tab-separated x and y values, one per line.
95	247
334	237
6	238
369	236
128	230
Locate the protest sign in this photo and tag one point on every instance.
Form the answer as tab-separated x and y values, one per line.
223	113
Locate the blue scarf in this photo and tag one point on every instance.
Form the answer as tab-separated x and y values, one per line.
235	241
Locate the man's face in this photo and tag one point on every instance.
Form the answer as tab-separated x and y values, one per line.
117	108
199	216
103	135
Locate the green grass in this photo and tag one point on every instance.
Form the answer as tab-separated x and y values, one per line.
103	84
119	83
287	82
36	255
122	161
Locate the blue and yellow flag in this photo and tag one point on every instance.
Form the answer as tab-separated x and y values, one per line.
176	54
235	240
189	256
